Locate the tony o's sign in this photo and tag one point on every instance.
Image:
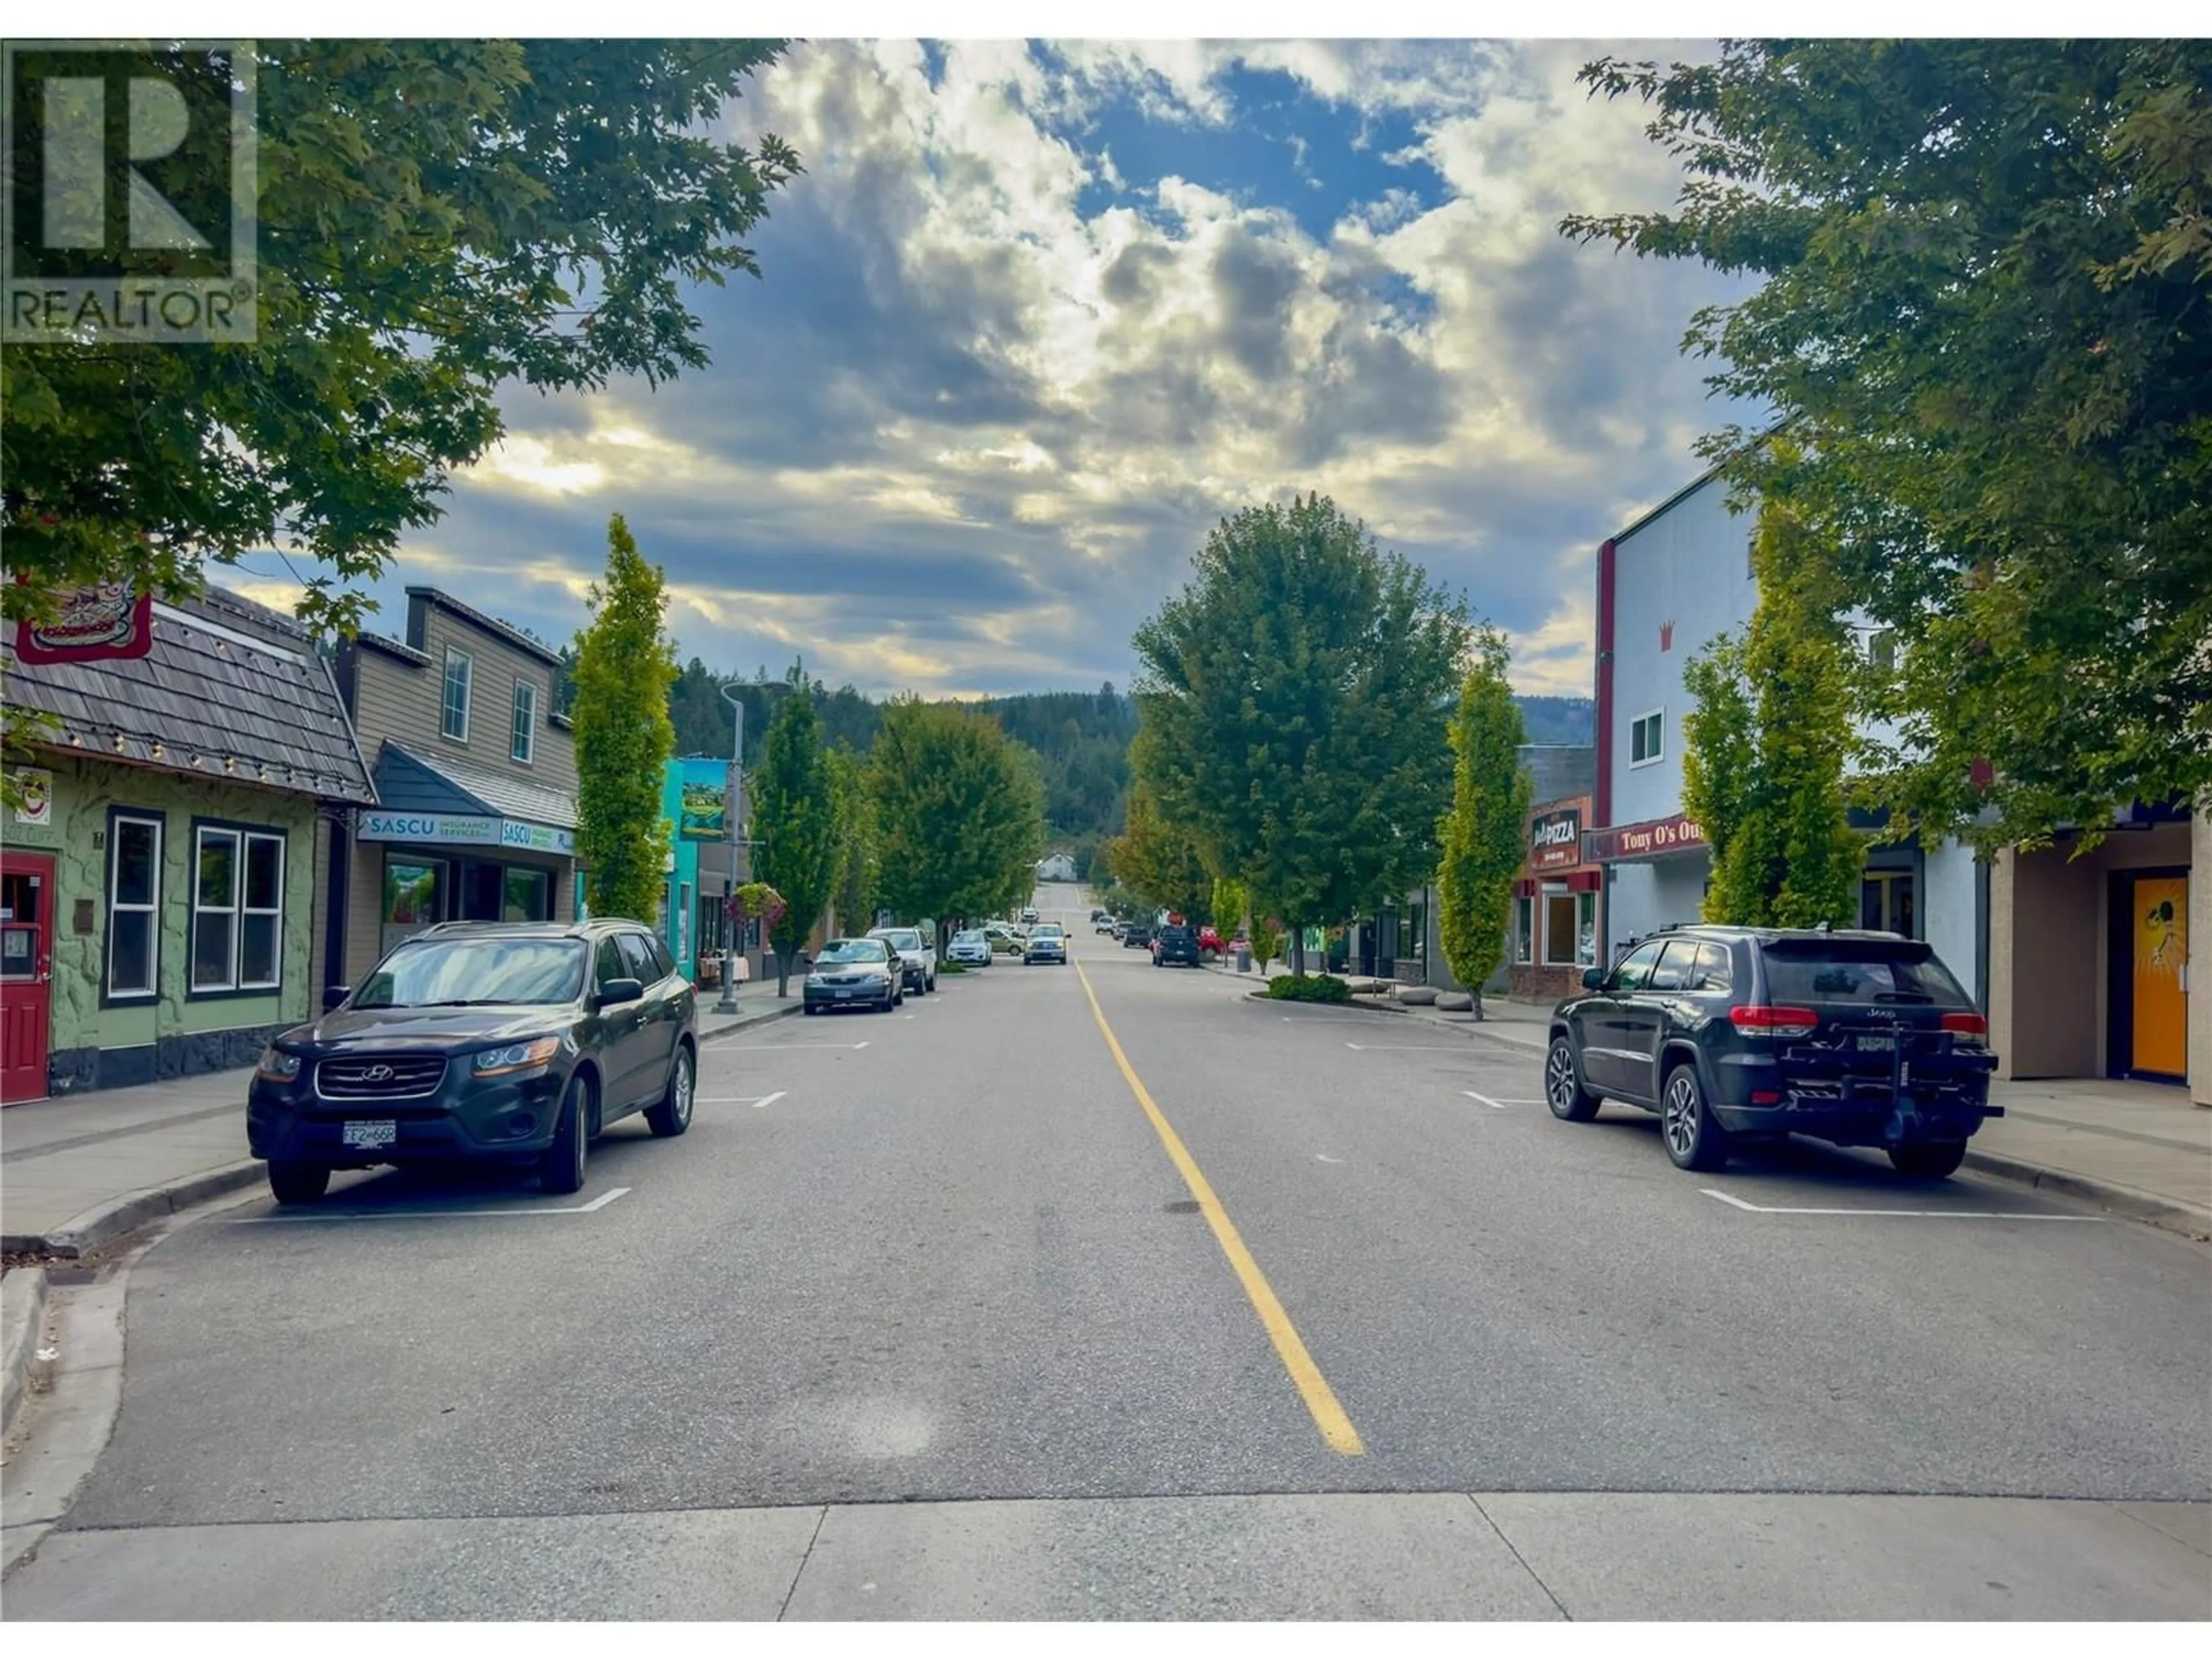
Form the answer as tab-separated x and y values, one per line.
1679	834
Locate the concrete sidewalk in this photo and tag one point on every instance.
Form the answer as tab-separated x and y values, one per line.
79	1171
2138	1149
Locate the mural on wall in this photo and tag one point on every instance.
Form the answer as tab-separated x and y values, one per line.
706	811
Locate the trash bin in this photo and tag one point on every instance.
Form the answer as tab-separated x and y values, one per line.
1243	959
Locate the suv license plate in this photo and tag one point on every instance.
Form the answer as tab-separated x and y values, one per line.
1877	1045
371	1135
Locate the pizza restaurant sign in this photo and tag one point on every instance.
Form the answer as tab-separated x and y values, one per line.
1555	840
1679	834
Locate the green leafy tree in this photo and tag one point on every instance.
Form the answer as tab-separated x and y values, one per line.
1983	308
853	816
1293	698
794	820
624	663
1484	833
1159	862
959	812
1765	749
437	219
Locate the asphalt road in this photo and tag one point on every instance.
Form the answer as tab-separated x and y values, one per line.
950	1261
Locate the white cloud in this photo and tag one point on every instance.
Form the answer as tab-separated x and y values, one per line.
960	416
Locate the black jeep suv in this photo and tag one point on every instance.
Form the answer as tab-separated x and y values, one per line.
513	1042
1177	944
1739	1035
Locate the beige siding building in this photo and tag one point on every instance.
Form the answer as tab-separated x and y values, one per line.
476	786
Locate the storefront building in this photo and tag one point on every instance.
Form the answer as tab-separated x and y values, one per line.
2080	960
694	906
1554	929
476	786
157	881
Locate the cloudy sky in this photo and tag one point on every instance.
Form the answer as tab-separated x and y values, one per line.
1036	317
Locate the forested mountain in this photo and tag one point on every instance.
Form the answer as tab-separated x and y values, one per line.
1081	738
1558	720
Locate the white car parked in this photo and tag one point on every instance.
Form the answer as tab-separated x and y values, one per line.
918	950
970	948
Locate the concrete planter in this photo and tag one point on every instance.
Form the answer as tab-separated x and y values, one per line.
1417	996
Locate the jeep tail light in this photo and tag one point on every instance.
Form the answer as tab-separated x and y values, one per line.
1760	1020
1971	1025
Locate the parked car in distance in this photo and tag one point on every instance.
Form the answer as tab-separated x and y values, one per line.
1005	938
855	972
1138	935
517	1042
1104	923
1738	1036
916	954
1209	940
1029	918
1048	942
970	948
1175	946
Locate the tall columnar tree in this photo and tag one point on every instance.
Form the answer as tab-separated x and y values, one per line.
1484	833
794	820
625	665
1983	305
959	812
1294	694
1767	747
852	889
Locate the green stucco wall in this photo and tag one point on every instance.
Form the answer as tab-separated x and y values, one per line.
83	791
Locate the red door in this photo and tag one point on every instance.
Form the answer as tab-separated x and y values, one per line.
26	946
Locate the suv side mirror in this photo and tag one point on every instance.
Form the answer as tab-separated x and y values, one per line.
335	994
613	991
1592	978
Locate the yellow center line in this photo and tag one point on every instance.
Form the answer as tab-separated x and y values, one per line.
1321	1401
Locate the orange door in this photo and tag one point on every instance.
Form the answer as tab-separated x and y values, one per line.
2160	1038
26	943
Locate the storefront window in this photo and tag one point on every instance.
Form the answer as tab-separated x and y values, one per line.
529	896
1586	929
1524	930
683	923
1561	926
414	897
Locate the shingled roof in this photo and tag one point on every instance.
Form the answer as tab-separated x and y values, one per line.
231	690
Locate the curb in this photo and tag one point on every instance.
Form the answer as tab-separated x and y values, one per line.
104	1223
2172	1214
746	1022
25	1298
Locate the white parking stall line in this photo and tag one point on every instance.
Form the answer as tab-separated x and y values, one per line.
1410	1049
1494	1105
770	1100
779	1047
598	1203
1932	1215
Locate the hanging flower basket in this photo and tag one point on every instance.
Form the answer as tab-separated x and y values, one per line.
757	902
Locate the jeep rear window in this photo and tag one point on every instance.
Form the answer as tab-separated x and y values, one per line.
1848	972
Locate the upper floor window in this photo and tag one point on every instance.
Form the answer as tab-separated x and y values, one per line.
1881	649
522	744
1643	738
460	676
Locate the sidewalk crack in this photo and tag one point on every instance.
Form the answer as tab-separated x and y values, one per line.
1523	1560
803	1558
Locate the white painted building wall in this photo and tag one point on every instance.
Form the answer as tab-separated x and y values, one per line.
1682	579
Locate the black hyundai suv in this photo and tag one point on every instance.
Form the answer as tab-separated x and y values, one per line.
509	1041
1177	944
1740	1036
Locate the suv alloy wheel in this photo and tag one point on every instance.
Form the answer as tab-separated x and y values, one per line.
561	1166
1563	1086
1694	1141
